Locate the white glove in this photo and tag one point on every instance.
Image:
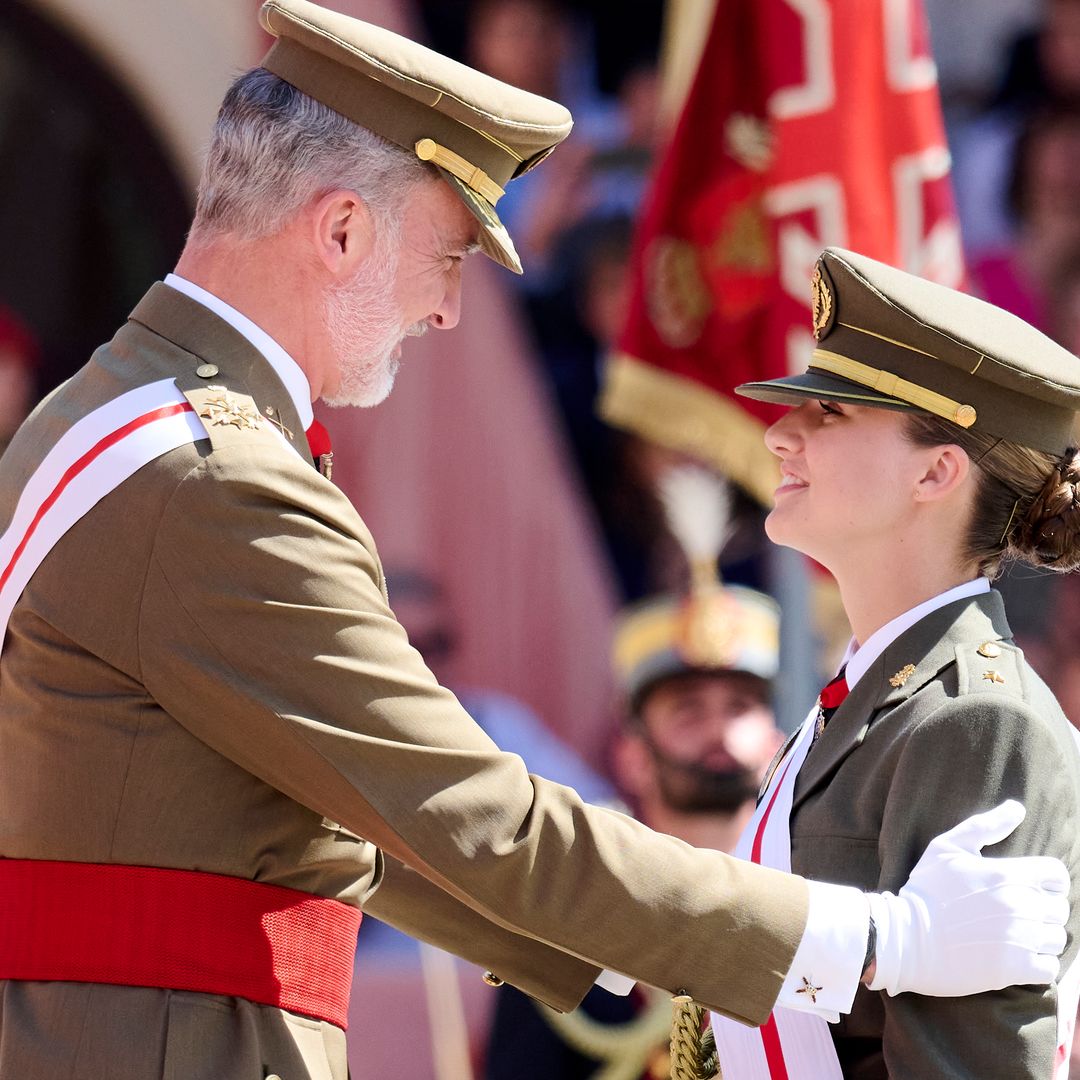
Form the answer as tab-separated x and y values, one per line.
964	924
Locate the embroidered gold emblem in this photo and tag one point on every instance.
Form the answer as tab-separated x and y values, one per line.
993	676
821	302
224	409
902	676
990	649
677	297
809	989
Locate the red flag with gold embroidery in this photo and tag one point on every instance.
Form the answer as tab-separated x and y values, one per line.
809	123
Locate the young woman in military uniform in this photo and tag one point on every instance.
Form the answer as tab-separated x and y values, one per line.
929	443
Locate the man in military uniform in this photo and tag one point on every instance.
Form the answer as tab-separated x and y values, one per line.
217	744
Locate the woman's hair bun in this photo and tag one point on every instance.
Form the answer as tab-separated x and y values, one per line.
1048	535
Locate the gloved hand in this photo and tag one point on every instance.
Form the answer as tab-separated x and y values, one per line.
964	924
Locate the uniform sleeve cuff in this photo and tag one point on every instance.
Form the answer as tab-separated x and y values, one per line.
828	963
614	983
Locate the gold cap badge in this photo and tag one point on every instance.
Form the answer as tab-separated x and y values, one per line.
821	300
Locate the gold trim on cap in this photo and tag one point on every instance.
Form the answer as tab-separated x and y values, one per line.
891	341
885	382
468	173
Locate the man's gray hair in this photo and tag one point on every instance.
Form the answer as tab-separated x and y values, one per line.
274	148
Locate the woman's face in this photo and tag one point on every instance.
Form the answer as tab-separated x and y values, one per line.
849	479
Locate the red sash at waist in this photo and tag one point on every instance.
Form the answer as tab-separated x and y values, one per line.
178	930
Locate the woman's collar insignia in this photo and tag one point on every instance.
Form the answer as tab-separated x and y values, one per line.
902	676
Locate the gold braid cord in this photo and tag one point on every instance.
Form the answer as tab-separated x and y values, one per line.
693	1054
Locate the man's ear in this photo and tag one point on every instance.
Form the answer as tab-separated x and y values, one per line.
947	469
343	231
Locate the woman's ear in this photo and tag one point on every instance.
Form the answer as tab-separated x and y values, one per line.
946	470
343	232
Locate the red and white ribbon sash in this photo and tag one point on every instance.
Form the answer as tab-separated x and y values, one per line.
94	456
790	1045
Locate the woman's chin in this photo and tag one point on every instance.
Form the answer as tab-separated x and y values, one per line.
785	533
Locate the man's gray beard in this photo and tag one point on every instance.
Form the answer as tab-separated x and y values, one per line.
363	323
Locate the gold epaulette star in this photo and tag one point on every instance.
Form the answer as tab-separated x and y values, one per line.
224	409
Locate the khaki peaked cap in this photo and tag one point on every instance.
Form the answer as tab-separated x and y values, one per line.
892	340
478	131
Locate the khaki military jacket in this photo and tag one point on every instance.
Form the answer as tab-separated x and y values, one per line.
910	752
205	673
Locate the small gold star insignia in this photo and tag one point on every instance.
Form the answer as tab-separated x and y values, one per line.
993	676
224	409
902	676
809	989
990	649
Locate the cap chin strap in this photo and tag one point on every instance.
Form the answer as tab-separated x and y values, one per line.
468	173
885	382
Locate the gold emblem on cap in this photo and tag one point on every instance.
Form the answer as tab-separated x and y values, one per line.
822	302
990	649
993	677
224	409
902	676
709	629
491	978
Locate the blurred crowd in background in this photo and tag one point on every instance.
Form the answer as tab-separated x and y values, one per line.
567	505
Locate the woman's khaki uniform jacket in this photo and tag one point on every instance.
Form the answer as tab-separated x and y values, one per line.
948	721
204	673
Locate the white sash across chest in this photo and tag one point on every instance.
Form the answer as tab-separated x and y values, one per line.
789	1045
94	456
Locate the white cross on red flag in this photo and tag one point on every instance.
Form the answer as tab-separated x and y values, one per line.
809	123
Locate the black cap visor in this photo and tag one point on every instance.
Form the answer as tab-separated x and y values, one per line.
818	386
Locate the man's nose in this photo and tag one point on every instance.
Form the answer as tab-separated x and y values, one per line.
448	312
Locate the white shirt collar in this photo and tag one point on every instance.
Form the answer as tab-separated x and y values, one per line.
860	657
287	369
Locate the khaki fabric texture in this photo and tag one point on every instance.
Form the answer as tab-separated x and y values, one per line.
898	765
1023	386
205	673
